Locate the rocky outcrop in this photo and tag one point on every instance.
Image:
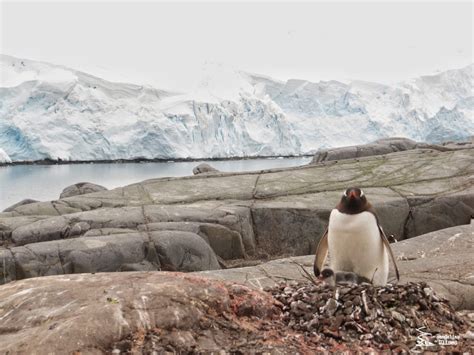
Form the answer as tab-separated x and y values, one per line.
166	250
18	204
204	168
95	314
81	188
379	147
260	214
443	259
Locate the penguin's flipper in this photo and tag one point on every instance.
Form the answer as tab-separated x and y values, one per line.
321	253
387	245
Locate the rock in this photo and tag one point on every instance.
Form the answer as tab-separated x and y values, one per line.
379	147
204	168
431	214
81	188
441	259
21	203
225	242
43	230
219	226
106	231
161	250
183	251
83	313
469	143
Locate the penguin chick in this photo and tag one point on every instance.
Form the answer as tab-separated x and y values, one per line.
355	240
350	278
341	277
327	275
346	277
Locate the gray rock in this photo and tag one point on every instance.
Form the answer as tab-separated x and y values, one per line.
431	214
204	168
44	230
21	203
168	250
88	313
379	147
80	255
225	242
106	231
183	251
142	266
81	188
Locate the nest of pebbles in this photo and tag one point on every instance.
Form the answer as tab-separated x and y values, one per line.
404	318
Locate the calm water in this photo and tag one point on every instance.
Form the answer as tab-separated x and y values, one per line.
45	182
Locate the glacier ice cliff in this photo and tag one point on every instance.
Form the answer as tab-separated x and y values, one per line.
50	111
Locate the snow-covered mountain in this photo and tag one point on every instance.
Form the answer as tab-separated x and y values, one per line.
50	111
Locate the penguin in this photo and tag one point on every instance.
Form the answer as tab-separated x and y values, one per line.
355	240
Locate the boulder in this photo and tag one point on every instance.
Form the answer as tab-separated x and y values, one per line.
21	203
204	168
183	251
225	242
81	188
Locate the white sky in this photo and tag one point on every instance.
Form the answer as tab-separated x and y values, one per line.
168	43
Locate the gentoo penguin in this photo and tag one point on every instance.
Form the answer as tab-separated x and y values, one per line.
356	241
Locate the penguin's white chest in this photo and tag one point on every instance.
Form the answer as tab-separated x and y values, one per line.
355	245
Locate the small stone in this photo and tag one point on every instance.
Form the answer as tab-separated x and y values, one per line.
398	316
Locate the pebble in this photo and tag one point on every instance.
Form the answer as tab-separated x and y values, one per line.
378	317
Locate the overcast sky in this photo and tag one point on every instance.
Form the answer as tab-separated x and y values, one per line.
168	43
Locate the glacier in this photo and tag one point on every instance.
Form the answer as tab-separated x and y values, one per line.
53	112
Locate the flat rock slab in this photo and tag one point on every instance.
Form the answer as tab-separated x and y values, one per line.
88	314
443	259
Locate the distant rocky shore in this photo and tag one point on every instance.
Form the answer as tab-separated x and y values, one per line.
253	229
143	160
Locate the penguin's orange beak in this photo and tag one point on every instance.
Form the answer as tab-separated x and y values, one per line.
352	195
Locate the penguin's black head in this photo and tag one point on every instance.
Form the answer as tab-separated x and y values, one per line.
327	273
353	201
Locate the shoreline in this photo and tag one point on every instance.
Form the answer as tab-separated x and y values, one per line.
145	160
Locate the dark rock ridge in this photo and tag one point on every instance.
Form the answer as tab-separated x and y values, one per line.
383	146
18	204
161	224
81	188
